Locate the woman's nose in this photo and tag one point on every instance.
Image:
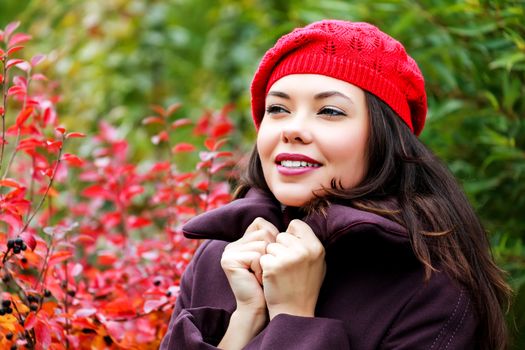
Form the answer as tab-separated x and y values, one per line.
296	131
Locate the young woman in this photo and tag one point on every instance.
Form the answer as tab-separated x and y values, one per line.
347	232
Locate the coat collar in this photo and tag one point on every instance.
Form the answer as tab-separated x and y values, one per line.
228	223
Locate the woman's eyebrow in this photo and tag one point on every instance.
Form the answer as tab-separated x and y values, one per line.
327	94
278	94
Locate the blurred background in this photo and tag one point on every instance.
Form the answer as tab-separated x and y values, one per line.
112	59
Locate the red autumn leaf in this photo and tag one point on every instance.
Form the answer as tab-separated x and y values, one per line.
223	154
18	38
53	145
221	129
97	191
138	222
181	122
13	62
119	308
30	321
203	165
10	28
43	335
202	127
35	60
48	172
106	258
38	76
160	166
183	147
86	312
153	120
29	239
9	183
22	117
218	167
59	256
29	144
162	136
84	239
173	108
32	102
214	144
160	111
75	134
25	66
16	90
203	186
73	160
14	49
184	177
151	305
14	222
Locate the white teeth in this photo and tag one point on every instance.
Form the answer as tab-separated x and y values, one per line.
297	164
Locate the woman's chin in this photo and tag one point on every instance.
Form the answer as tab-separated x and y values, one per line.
293	200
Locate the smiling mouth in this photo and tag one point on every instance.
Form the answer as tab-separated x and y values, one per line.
295	164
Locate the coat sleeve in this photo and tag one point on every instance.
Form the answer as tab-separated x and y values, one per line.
194	328
439	316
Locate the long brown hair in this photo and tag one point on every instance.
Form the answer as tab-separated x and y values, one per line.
408	184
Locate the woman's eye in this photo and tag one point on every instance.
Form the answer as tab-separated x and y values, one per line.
330	111
275	109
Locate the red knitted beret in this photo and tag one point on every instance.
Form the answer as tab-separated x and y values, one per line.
358	53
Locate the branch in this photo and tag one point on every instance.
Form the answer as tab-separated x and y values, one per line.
4	104
47	189
15	150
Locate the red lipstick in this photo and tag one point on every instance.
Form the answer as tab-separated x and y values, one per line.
285	166
295	157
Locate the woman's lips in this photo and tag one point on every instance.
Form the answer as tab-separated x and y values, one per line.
295	164
295	157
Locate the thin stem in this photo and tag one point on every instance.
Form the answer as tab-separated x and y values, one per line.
172	218
19	131
4	93
123	214
31	185
66	305
47	189
12	157
43	272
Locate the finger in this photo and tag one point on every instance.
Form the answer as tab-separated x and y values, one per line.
260	223
259	235
255	246
257	269
287	239
268	264
276	249
301	230
236	260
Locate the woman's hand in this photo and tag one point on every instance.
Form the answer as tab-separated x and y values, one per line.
293	271
240	262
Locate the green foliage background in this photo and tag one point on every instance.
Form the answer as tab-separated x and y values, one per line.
113	58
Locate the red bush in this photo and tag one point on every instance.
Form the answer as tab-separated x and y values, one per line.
91	249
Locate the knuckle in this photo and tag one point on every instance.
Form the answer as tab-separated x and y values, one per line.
259	221
318	251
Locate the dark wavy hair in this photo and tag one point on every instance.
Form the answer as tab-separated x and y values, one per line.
407	183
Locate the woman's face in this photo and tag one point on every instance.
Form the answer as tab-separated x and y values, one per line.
315	129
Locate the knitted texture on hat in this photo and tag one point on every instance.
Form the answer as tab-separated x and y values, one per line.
355	52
